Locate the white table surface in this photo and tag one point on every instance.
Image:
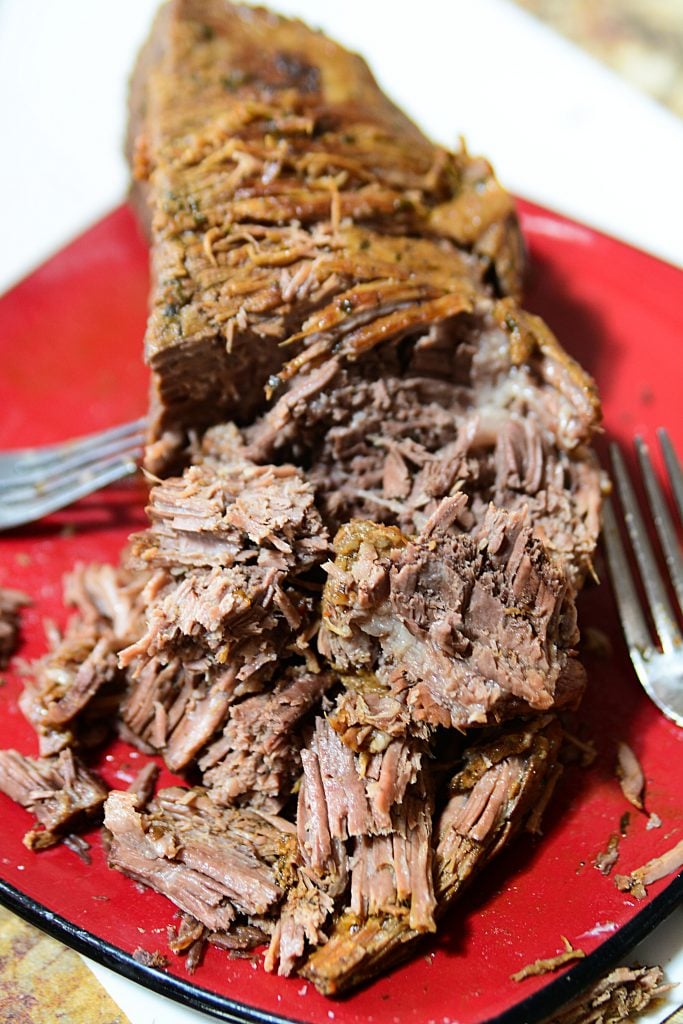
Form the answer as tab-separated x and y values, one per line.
559	128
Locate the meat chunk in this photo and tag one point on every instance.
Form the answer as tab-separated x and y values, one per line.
58	790
11	603
73	691
368	821
226	511
386	434
216	864
622	995
212	637
492	794
464	629
257	759
232	542
279	184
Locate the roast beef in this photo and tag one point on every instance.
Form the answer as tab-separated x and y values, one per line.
335	346
216	864
212	637
493	792
59	791
257	759
279	184
367	820
465	629
233	542
226	511
72	693
485	403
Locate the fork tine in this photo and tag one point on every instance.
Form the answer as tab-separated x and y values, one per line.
60	480
23	483
673	467
27	460
42	506
660	606
633	621
663	521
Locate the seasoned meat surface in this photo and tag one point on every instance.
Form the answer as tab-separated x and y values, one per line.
279	185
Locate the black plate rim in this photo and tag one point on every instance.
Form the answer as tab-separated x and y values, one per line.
530	1010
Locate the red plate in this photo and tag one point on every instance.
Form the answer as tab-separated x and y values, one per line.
71	343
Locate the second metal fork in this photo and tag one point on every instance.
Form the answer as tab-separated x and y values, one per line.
37	481
659	666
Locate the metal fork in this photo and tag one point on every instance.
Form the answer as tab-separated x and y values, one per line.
659	666
37	481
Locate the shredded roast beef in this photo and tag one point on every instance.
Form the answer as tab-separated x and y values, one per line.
257	758
212	637
464	629
335	345
492	795
621	995
59	791
73	692
217	864
363	823
231	543
227	511
388	436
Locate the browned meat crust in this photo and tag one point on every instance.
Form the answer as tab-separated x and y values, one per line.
282	184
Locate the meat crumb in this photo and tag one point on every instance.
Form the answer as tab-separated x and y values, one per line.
617	997
654	821
143	783
635	883
155	959
630	775
606	859
534	821
547	964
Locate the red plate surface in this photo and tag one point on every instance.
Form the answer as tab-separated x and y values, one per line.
70	337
